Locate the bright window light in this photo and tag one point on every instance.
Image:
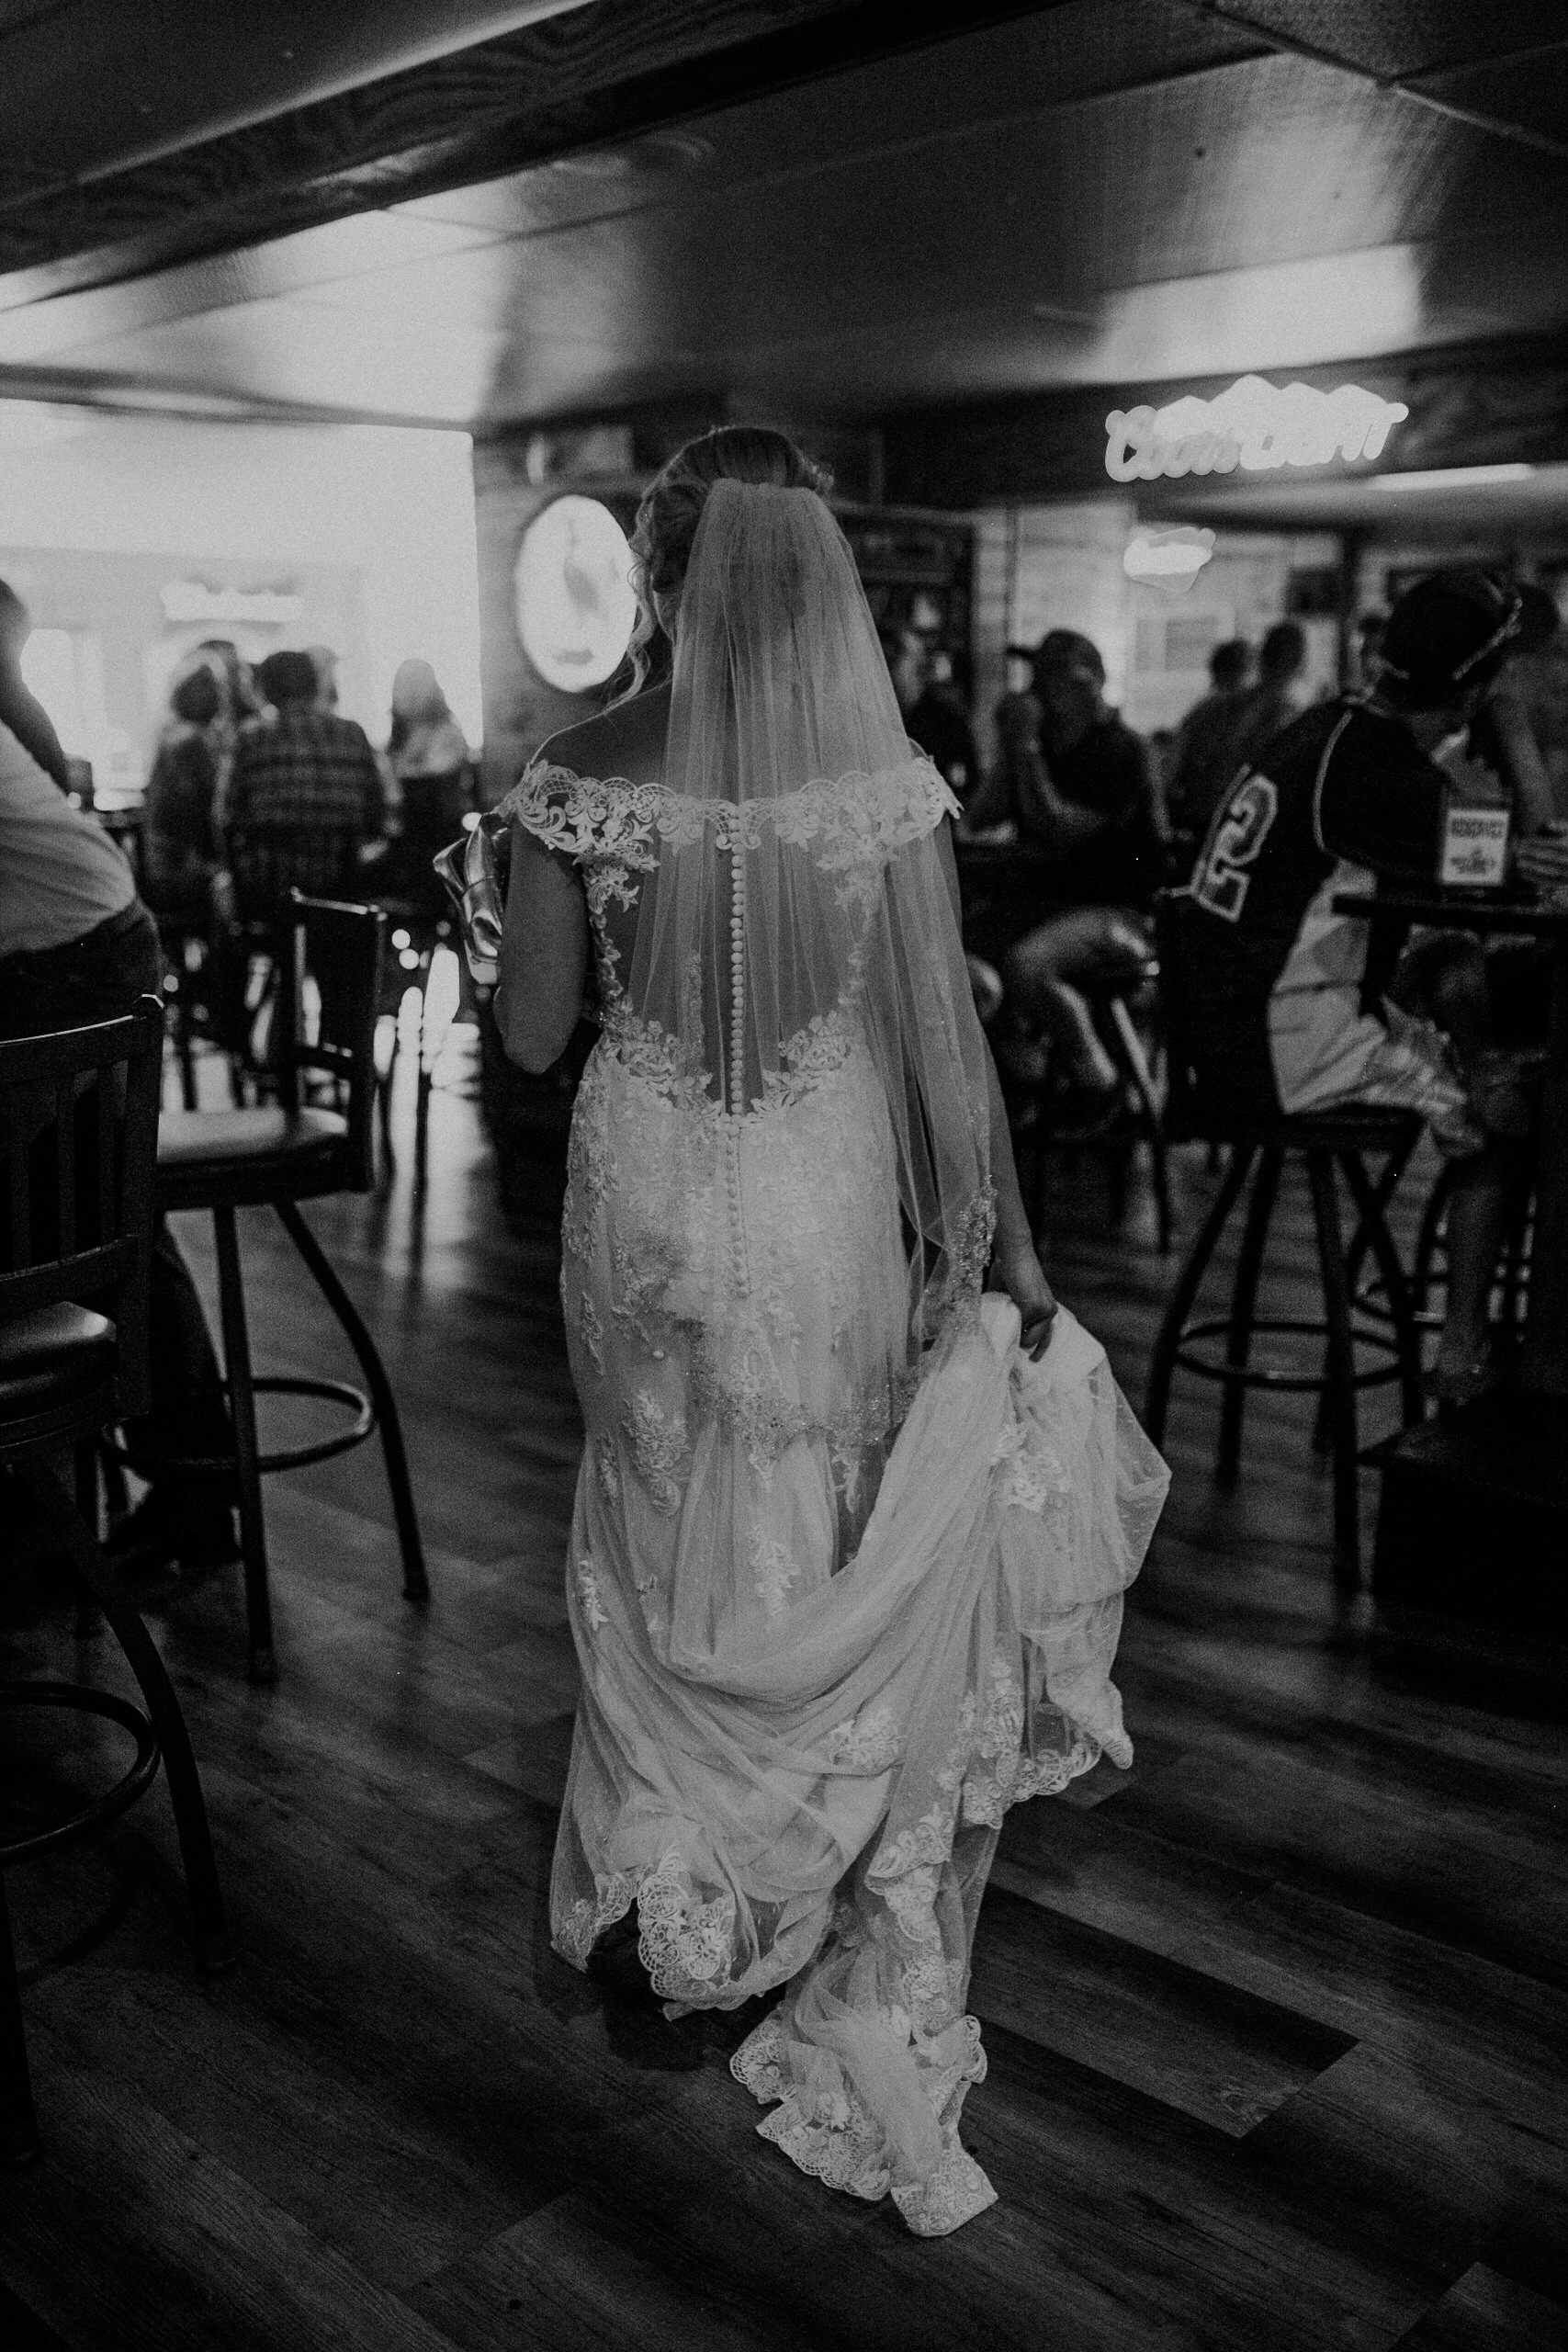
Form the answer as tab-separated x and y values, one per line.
1454	477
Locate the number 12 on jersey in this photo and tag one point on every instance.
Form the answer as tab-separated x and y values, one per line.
1222	881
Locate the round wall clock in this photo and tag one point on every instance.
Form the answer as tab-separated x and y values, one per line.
576	607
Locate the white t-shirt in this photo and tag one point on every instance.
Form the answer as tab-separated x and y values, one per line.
61	874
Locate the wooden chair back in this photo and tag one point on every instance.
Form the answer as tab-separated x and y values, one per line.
329	998
79	1140
268	862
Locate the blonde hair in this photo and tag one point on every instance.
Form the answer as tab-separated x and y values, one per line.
673	507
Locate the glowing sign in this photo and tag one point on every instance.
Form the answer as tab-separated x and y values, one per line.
193	600
1167	559
1256	426
575	600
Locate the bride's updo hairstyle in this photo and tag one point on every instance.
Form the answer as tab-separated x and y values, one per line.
673	507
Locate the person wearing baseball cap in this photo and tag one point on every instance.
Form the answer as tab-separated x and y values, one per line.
1297	1010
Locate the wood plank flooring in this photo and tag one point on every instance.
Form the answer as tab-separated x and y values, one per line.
1276	2025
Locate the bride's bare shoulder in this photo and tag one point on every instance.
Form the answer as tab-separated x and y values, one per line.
627	740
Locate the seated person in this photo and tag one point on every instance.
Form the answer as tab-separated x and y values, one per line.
304	794
179	853
1075	782
1295	1009
77	946
1204	759
21	713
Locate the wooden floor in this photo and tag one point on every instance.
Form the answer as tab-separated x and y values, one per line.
1277	2037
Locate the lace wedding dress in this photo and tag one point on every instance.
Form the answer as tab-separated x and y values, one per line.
846	1567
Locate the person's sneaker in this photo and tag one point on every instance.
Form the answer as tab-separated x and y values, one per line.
161	1532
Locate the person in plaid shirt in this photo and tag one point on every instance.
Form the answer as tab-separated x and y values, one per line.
304	794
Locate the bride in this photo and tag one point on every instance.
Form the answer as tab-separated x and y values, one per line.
851	1537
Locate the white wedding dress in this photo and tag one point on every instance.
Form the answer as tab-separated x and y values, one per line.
843	1587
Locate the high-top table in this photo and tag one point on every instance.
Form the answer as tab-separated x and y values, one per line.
1474	1516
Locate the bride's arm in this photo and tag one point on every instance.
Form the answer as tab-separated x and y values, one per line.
544	955
1015	1261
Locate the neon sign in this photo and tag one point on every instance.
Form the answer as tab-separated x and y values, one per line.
1167	559
1256	425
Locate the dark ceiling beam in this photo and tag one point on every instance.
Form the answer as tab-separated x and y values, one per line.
602	73
1407	85
88	87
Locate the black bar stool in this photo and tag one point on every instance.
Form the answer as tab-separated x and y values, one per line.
1136	1110
78	1128
278	1154
1197	1109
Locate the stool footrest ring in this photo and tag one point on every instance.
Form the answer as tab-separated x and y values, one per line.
81	1699
1249	1375
291	1457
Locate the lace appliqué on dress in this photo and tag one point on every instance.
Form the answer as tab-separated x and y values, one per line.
773	1570
591	1329
607	1464
823	2126
810	1059
869	1742
859	817
586	1921
1035	1477
589	1598
1001	1774
659	1447
684	1945
591	1166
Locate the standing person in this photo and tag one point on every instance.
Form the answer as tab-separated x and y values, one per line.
427	753
303	793
1204	759
1079	787
906	658
829	1625
77	946
1371	631
179	853
432	773
323	660
938	722
237	679
1275	700
1298	1010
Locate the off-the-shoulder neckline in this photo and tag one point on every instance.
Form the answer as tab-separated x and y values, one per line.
540	769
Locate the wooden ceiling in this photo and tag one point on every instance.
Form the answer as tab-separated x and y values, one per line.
819	209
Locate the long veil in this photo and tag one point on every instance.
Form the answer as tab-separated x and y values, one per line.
830	904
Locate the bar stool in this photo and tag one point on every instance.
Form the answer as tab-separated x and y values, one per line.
266	864
278	1154
420	920
1197	1109
78	1127
1136	1113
